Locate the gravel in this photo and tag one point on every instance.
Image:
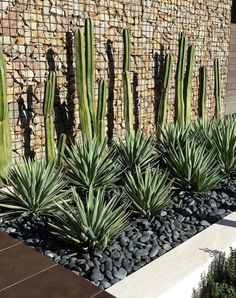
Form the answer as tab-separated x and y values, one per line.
142	242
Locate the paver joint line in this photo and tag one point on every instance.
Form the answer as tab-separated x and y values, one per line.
3	249
21	281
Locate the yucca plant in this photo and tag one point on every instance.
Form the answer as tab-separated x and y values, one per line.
193	167
91	164
90	223
35	186
148	192
137	150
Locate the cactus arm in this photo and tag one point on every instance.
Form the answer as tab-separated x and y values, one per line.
218	99
85	118
180	80
203	91
188	83
164	94
128	95
89	58
61	149
5	130
101	110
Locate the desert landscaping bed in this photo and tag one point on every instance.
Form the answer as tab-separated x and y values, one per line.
142	242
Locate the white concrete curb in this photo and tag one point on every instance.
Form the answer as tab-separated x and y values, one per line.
178	271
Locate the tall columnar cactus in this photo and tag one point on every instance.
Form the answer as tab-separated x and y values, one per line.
61	149
218	99
180	111
84	50
188	83
5	131
128	95
89	62
162	117
48	117
101	110
85	117
203	92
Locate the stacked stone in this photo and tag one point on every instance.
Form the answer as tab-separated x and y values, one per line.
38	36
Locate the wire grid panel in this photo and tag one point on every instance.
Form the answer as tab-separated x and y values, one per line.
37	36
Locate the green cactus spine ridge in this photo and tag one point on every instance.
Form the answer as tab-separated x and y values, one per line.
48	117
128	95
84	113
101	110
5	130
218	99
203	92
162	117
89	58
188	80
180	111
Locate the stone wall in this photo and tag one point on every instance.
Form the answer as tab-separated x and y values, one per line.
37	35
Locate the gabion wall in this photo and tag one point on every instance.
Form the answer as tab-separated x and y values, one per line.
37	36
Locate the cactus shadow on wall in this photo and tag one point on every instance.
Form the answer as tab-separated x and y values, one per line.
25	118
158	79
111	85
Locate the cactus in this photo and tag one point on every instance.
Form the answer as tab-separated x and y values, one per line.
180	112
101	110
188	83
128	96
48	117
61	149
164	94
89	62
202	92
5	130
217	73
85	117
91	123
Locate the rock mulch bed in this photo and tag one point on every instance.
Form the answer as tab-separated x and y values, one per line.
141	243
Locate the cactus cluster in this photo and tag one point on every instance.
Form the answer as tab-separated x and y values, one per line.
5	131
184	81
92	122
128	95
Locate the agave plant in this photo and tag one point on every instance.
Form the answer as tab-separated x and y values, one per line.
136	151
193	167
220	136
91	164
35	187
174	135
91	223
148	192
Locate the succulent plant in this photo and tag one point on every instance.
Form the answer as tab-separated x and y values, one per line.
218	99
203	92
5	130
162	117
128	95
48	117
92	123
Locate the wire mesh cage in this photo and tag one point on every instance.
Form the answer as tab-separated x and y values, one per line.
37	36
